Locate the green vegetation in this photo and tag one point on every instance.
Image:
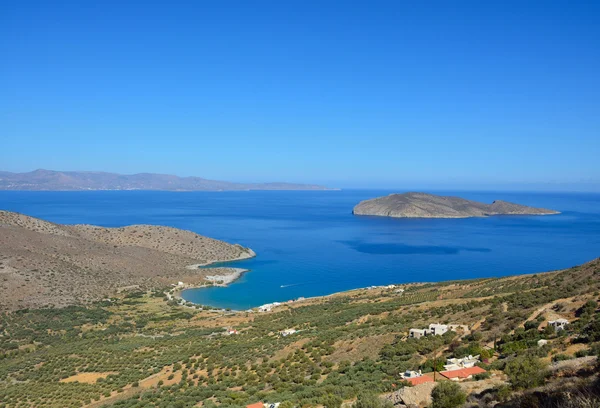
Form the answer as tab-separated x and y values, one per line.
141	351
447	394
525	372
368	400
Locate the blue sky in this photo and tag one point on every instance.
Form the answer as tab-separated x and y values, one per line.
351	94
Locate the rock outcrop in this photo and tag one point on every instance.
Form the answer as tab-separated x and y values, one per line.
423	205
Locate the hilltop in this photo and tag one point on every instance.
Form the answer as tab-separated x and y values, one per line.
423	205
50	180
43	263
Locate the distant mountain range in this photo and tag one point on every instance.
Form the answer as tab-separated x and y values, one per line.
49	180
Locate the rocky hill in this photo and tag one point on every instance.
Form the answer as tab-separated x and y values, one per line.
49	180
42	263
422	205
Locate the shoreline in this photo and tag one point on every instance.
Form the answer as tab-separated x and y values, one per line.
212	280
248	254
226	279
238	272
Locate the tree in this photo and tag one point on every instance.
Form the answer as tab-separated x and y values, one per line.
525	372
447	394
331	401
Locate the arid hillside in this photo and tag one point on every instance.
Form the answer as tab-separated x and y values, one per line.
43	263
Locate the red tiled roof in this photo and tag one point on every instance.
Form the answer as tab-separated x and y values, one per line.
255	405
463	372
419	380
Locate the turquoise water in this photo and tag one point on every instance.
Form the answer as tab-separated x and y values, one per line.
310	244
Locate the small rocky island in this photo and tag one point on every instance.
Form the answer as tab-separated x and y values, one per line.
423	205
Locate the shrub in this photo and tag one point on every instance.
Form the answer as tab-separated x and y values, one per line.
525	372
371	401
447	394
481	376
331	401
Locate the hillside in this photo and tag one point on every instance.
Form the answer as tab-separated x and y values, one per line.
422	205
144	350
49	180
43	263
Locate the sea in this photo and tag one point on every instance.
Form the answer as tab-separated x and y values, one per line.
308	243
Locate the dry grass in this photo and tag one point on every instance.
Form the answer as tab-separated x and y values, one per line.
87	378
357	349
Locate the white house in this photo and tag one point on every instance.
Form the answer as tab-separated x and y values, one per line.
411	374
558	324
416	333
458	363
542	342
287	332
268	307
438	329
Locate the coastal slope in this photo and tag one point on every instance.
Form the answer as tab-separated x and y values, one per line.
50	180
423	205
43	263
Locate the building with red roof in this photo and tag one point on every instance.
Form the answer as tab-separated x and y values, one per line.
462	373
419	380
256	405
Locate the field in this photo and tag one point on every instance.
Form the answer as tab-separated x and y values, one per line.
142	350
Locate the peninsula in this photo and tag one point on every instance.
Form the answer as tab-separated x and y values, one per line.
50	180
423	205
48	264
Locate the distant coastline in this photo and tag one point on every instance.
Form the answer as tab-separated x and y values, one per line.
51	180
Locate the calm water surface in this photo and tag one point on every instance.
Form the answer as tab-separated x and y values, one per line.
309	243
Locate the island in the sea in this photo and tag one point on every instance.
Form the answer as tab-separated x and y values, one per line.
423	205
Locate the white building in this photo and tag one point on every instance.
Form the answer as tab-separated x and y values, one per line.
268	307
458	363
559	324
411	374
287	332
542	343
438	329
417	333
